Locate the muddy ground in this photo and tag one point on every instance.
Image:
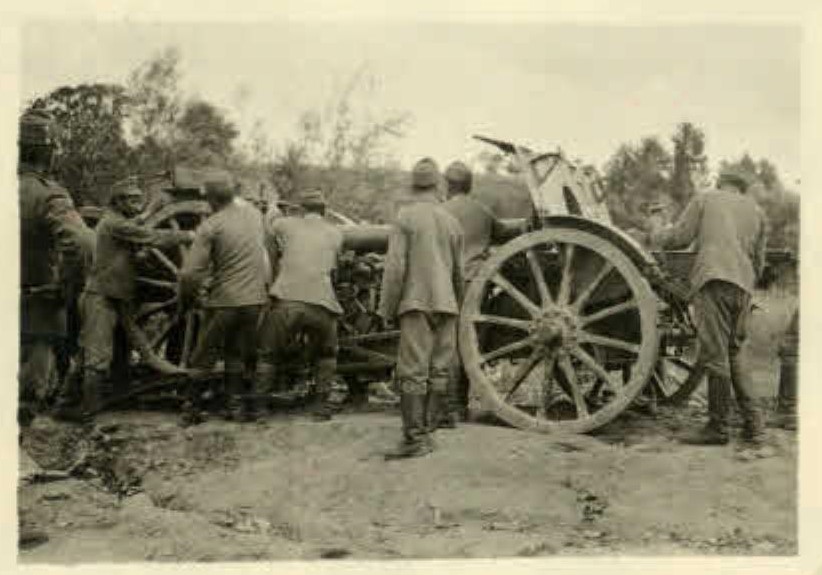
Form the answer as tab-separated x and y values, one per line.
143	488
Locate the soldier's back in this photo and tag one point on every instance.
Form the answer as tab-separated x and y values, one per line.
730	232
434	244
309	248
238	257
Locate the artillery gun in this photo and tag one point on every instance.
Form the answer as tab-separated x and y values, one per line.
563	327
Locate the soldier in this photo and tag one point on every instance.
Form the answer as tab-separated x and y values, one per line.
479	226
111	288
729	230
53	239
229	251
422	286
788	355
304	253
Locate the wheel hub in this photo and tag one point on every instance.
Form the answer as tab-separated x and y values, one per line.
556	328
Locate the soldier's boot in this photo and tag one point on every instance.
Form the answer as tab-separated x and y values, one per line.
319	406
716	431
416	440
96	388
232	403
437	414
753	430
266	379
70	393
250	391
786	400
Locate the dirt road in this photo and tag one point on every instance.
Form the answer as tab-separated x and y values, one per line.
292	488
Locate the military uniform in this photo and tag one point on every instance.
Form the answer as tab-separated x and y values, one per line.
788	376
479	227
728	230
53	239
306	250
111	290
228	249
422	286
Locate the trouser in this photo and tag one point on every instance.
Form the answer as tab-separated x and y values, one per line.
723	312
426	356
36	376
285	319
228	333
789	356
101	319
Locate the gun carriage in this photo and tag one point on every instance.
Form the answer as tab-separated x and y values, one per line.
564	326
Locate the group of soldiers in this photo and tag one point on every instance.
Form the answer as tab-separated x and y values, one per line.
260	280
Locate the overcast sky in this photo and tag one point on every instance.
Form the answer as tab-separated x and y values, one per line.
584	88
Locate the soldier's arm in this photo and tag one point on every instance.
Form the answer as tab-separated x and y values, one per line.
139	235
458	278
760	247
393	277
683	232
73	237
195	267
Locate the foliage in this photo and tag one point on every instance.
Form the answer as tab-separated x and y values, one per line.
93	151
635	177
347	137
781	206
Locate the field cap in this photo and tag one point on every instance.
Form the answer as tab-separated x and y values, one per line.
425	174
36	128
129	186
734	176
219	185
311	197
458	173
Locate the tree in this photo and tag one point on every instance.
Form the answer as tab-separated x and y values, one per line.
781	206
94	152
347	135
203	135
689	163
636	176
156	103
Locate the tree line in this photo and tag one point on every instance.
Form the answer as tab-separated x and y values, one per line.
147	125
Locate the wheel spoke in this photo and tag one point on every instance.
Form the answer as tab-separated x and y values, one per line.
161	335
158	283
592	286
518	296
666	387
605	341
150	308
165	260
565	282
544	294
522	372
522	324
506	350
188	340
598	369
609	311
571	376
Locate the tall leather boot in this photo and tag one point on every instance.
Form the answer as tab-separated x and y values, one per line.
786	400
416	440
437	414
232	407
715	432
752	426
319	405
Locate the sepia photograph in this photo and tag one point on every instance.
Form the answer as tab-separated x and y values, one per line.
338	290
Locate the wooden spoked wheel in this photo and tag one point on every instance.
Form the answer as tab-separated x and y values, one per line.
163	338
558	332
